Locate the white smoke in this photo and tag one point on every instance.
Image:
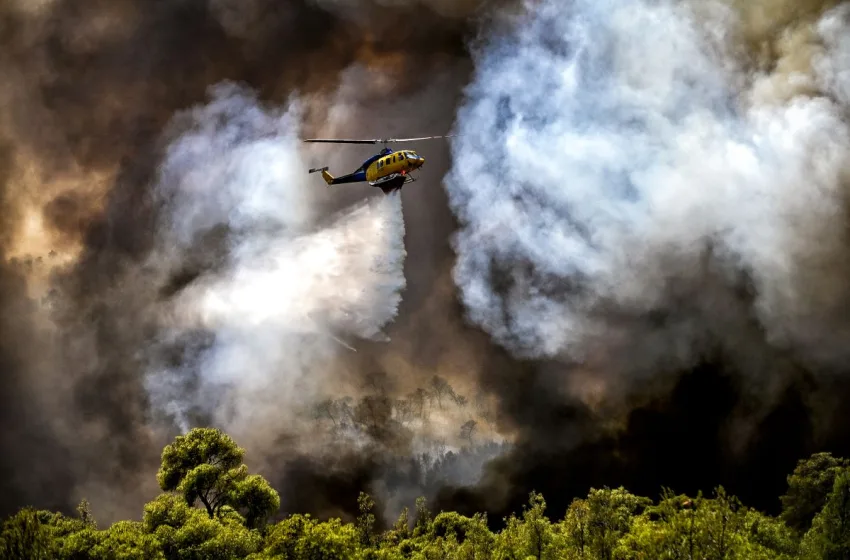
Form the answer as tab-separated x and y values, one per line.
289	289
606	147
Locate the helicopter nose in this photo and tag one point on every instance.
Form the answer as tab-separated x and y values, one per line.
421	161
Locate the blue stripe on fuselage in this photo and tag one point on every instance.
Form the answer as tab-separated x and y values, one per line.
368	162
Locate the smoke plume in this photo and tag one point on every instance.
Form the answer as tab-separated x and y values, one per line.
285	285
642	191
620	195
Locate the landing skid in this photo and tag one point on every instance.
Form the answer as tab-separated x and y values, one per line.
393	183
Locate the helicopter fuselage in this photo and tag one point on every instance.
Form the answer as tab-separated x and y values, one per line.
390	165
389	170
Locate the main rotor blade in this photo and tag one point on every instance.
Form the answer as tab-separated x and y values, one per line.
331	141
391	140
374	140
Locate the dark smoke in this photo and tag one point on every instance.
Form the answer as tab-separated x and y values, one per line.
30	451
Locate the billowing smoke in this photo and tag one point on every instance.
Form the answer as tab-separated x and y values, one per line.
266	298
628	198
285	285
642	191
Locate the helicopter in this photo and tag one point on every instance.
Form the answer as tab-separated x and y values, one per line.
388	170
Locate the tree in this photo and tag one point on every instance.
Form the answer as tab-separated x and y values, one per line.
440	388
829	537
404	410
377	382
610	514
400	530
374	414
128	541
326	409
423	521
417	401
723	524
366	519
84	510
467	429
206	465
808	488
531	536
24	536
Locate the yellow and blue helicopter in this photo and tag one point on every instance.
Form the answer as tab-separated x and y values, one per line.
388	170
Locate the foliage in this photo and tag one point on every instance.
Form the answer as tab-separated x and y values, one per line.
808	488
366	520
829	536
206	465
24	535
230	521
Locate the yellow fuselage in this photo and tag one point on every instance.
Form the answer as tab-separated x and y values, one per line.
401	162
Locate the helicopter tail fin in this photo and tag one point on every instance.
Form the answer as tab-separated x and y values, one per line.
329	179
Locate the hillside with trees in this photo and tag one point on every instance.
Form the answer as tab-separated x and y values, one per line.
212	507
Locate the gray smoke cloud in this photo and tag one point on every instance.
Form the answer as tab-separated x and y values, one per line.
633	194
283	287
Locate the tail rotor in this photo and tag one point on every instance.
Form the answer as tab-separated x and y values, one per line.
329	179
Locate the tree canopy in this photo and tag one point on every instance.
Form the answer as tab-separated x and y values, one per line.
206	465
212	508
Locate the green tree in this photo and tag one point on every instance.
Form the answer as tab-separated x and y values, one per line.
576	528
283	538
829	536
769	538
532	536
300	537
24	535
680	527
328	540
610	516
366	519
206	465
422	524
187	533
400	531
126	540
808	488
84	510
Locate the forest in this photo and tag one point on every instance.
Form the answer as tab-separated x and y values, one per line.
212	507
